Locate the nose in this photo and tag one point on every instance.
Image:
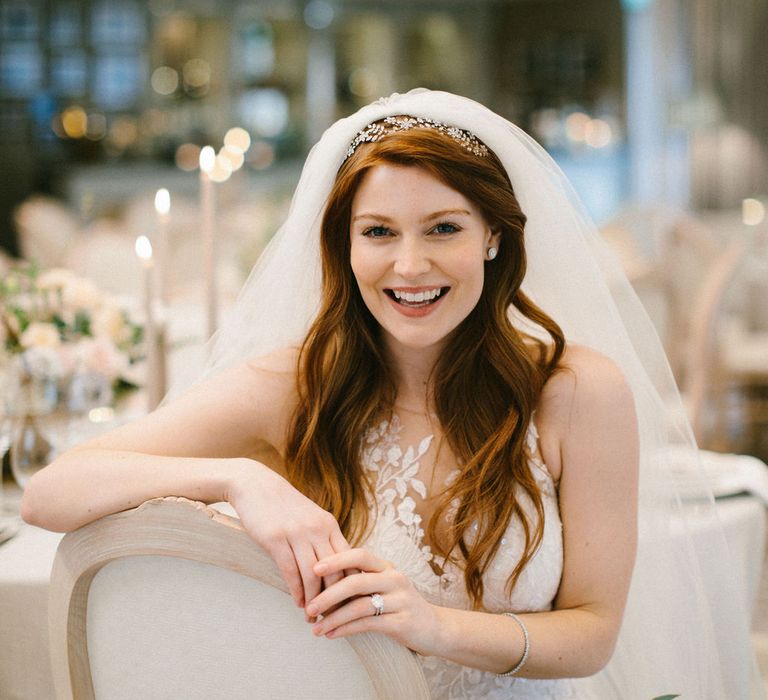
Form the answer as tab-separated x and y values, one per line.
412	258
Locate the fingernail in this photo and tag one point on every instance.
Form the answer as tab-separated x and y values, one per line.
317	630
311	610
321	568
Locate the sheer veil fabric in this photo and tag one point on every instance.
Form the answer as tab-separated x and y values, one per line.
685	629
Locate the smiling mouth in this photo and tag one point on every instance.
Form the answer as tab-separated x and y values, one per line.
416	300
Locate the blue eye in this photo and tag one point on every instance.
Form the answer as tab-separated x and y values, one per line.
376	232
446	227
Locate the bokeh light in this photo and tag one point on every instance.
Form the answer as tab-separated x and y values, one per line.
237	138
96	128
598	133
576	126
162	201
363	82
123	133
318	14
752	211
196	73
74	122
261	155
165	80
234	156
187	157
207	159
143	248
221	171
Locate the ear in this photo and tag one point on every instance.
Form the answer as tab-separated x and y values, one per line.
492	238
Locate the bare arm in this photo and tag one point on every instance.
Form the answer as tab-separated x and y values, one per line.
193	447
589	414
203	447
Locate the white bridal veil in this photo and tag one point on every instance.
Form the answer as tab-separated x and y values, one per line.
686	629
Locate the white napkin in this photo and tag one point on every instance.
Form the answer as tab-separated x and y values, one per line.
725	474
730	474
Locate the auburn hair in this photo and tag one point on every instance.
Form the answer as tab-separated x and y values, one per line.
486	384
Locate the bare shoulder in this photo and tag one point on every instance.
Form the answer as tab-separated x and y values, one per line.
281	362
585	378
267	386
268	380
587	398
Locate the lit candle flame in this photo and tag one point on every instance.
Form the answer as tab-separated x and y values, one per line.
162	201
207	159
144	248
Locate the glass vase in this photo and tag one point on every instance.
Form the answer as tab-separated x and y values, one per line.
31	449
30	404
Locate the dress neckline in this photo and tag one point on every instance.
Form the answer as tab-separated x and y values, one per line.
397	468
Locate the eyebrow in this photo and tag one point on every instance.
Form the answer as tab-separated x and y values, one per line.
429	217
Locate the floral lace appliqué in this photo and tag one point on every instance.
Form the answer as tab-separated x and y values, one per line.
396	474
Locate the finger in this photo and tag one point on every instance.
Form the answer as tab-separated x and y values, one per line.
338	541
355	609
364	584
306	559
361	624
286	563
359	558
340	544
322	551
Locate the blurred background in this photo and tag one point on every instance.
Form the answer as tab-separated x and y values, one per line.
138	237
656	109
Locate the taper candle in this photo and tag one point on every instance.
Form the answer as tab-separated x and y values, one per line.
163	209
207	218
144	251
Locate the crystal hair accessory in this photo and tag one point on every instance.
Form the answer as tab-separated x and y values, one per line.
393	125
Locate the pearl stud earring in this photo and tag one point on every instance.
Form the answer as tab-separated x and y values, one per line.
492	252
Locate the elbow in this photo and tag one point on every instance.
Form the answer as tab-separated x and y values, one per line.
36	505
596	663
601	653
30	511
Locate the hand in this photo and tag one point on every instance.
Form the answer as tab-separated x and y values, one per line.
294	530
347	608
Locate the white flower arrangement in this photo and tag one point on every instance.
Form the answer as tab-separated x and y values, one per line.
57	325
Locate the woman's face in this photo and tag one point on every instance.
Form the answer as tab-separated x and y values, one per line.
418	250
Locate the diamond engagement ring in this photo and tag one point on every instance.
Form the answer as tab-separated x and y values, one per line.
378	604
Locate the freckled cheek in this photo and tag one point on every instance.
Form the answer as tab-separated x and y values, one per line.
366	272
472	272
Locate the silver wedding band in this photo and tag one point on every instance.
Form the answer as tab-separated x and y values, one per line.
378	604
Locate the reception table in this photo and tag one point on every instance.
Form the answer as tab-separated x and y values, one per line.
26	560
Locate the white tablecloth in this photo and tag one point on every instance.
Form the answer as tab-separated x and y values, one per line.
25	567
26	560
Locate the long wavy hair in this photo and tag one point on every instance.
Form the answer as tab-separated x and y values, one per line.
486	384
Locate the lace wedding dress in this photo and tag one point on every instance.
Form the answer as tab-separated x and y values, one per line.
398	536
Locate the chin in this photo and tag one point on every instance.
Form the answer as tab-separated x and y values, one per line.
415	341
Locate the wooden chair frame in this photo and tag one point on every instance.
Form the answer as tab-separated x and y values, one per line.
177	527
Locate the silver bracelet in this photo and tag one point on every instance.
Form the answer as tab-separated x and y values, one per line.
526	647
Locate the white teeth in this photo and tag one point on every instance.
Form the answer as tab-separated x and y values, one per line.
415	298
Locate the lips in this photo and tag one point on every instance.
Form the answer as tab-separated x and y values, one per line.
416	301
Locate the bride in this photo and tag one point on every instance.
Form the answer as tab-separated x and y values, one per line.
433	406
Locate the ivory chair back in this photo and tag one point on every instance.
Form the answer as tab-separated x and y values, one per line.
666	254
174	600
702	388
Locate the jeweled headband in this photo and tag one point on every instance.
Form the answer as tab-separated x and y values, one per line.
392	125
